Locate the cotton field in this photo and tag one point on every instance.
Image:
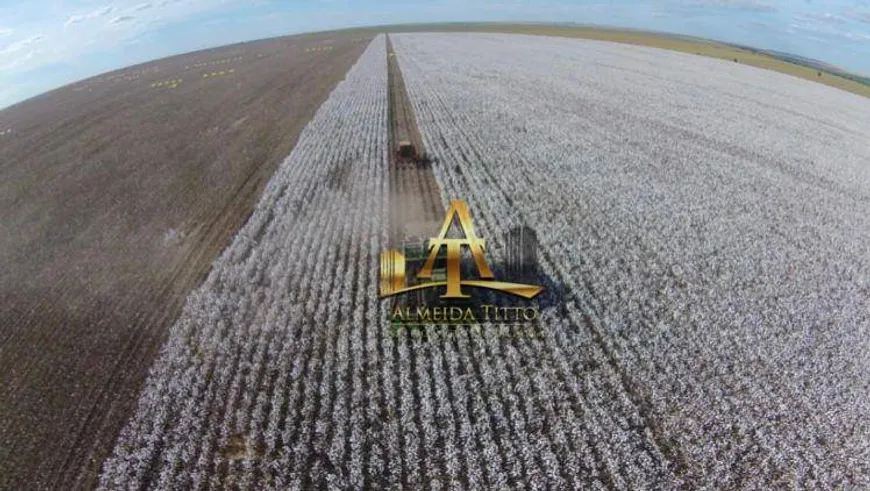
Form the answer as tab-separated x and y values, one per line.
710	220
703	228
258	364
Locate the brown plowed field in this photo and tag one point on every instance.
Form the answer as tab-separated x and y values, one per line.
416	206
116	194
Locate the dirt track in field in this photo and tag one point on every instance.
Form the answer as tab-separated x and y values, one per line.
416	208
116	194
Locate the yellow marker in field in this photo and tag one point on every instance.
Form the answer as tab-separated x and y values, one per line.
232	70
204	75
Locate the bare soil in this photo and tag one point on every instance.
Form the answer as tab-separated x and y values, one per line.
116	194
415	198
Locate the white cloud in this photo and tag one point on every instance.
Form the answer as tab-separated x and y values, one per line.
65	35
750	5
74	19
67	32
120	19
21	44
13	62
857	36
833	30
112	25
860	16
826	17
79	18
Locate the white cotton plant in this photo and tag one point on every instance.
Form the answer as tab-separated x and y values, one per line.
214	376
711	240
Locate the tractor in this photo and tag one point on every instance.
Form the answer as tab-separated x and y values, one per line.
405	151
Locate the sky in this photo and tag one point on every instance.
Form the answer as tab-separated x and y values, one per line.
46	44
